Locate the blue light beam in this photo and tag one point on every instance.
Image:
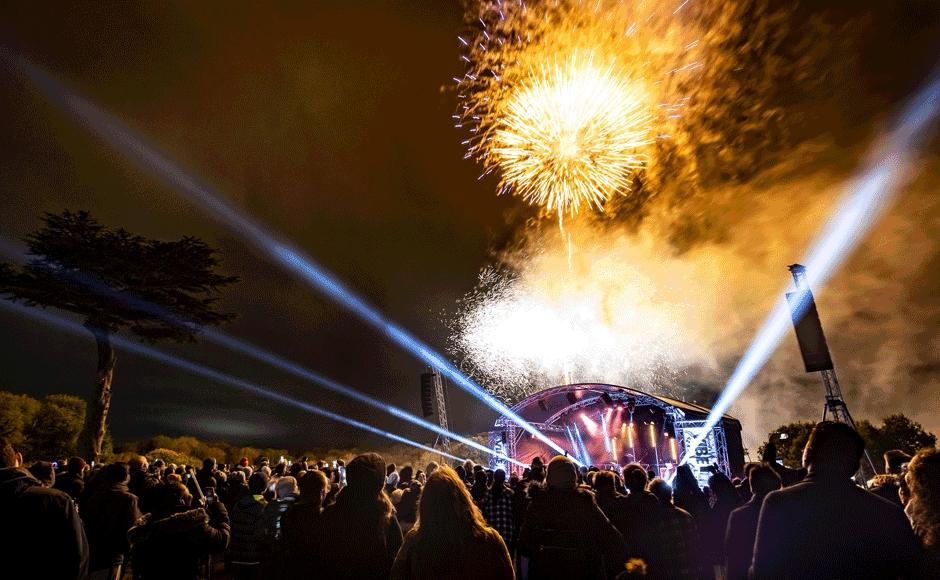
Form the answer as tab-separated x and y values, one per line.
253	351
214	375
135	148
890	166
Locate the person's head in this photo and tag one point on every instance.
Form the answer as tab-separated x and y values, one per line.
662	490
605	483
460	471
116	473
209	464
9	457
76	465
499	478
44	472
365	474
833	449
390	469
173	498
236	478
257	483
634	478
285	487
562	473
923	487
279	469
431	468
313	486
479	477
407	474
763	480
723	489
446	512
894	459
243	462
468	467
138	463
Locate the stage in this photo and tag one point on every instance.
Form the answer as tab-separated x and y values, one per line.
609	425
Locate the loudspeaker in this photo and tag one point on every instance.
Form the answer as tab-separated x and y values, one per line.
809	332
427	394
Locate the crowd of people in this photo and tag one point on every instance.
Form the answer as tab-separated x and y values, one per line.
369	520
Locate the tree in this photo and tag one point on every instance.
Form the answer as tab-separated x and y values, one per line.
17	413
116	281
790	447
55	429
895	432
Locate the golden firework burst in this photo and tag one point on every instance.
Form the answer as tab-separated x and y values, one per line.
572	135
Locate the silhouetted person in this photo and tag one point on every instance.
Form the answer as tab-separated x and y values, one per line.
827	527
109	512
564	534
715	522
41	534
679	536
450	540
72	481
300	524
246	550
886	485
175	540
642	512
923	507
742	524
686	493
359	535
498	509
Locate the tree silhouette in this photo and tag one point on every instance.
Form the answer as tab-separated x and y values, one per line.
117	280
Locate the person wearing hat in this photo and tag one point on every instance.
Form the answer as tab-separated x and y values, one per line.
565	534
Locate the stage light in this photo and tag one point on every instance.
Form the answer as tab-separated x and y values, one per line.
261	355
589	424
135	148
214	375
630	435
653	435
584	451
604	434
889	167
673	449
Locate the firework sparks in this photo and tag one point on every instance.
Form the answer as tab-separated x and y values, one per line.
564	98
570	137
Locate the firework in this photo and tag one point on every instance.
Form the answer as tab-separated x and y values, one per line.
570	137
564	98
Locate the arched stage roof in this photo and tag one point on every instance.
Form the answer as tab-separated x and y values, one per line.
556	402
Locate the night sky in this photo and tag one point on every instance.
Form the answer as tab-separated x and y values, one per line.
330	124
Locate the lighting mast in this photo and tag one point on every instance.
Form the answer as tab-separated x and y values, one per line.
432	388
815	352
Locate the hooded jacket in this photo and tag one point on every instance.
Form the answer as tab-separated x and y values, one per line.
178	545
41	530
247	530
109	513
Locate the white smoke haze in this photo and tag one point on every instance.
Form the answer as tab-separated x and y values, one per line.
631	310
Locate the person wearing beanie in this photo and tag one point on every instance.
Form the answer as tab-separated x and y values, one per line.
359	535
565	534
